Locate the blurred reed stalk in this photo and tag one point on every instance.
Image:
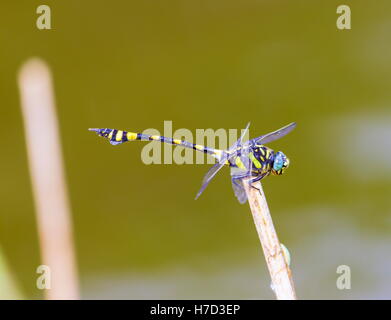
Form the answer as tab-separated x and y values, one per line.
280	273
48	181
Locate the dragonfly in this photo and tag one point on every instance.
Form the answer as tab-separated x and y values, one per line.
250	160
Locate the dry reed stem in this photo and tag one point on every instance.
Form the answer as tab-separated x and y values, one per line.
47	177
280	273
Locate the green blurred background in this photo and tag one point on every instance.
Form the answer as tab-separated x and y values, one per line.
206	64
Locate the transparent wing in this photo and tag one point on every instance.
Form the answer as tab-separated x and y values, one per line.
208	177
240	193
272	136
226	156
239	142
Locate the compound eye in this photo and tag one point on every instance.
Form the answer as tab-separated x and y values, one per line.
278	163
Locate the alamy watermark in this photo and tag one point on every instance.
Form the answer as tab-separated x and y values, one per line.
156	152
344	21
44	280
44	20
344	280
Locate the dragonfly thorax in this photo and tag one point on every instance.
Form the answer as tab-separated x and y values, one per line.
265	157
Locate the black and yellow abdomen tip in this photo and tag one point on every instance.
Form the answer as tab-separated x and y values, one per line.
113	135
102	132
116	136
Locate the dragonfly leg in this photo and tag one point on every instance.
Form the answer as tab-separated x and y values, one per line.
237	180
255	179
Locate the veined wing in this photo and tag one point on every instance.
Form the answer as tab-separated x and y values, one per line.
272	136
208	177
240	192
225	156
238	142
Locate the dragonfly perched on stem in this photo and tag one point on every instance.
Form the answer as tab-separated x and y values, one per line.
248	159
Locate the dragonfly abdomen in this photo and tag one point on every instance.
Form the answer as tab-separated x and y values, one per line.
119	136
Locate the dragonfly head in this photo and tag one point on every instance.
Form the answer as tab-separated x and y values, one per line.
280	163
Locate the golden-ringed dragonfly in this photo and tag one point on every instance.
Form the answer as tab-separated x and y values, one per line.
249	159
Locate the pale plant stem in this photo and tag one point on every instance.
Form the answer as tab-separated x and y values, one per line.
48	180
280	273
